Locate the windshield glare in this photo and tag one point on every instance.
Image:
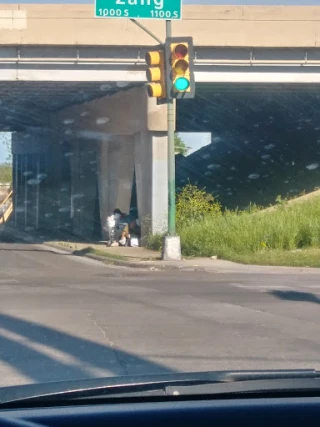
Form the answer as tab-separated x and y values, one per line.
159	188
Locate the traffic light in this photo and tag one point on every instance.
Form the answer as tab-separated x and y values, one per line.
180	67
156	74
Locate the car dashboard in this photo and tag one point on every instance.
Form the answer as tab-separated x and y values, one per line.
296	411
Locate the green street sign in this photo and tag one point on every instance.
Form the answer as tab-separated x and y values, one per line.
138	9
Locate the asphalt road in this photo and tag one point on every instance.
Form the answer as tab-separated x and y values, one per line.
67	317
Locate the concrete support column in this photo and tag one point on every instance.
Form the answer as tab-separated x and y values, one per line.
103	184
115	175
125	126
151	166
75	211
30	178
83	187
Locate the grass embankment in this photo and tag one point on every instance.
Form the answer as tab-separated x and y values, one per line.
288	235
308	257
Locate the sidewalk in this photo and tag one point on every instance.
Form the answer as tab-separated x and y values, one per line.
148	259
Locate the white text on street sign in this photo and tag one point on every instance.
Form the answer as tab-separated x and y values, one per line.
138	9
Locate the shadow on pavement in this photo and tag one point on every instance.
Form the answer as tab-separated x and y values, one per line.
82	252
10	234
44	354
296	296
32	250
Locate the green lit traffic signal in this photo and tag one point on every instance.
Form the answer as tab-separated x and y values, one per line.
180	67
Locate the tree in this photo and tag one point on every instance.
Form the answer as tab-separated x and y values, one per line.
179	146
5	173
6	166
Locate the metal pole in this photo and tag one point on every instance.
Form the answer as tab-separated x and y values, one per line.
171	157
38	191
15	191
25	192
147	31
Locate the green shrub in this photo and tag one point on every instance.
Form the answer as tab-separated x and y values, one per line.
154	242
193	204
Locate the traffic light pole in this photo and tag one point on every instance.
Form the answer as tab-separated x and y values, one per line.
171	249
171	157
145	29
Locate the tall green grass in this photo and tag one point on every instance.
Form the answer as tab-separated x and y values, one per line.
288	227
5	173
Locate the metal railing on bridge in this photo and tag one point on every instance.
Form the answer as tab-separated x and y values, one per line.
6	208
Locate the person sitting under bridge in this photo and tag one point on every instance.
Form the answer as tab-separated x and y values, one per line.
119	227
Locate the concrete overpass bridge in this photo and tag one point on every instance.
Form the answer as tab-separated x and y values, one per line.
71	90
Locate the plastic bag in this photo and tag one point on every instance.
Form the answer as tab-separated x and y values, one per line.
110	227
134	242
111	221
123	241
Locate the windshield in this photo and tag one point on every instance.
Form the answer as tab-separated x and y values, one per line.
159	188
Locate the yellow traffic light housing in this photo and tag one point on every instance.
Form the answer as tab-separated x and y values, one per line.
156	74
180	67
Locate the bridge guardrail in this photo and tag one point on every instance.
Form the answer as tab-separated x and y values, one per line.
6	208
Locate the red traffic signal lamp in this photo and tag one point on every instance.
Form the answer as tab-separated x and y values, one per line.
180	68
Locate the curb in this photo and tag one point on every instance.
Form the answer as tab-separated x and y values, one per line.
152	266
119	263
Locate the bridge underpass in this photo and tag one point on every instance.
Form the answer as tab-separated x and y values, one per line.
81	149
82	154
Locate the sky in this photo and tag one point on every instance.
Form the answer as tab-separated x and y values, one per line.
5	137
195	140
218	2
3	153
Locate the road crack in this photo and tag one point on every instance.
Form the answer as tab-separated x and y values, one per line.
115	350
